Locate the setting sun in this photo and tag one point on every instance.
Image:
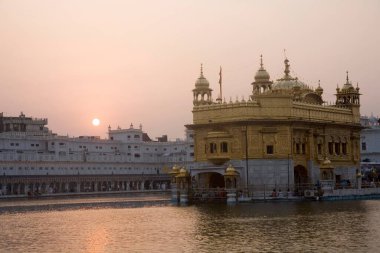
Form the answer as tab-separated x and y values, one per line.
96	122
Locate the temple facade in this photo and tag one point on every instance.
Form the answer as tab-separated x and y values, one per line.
284	135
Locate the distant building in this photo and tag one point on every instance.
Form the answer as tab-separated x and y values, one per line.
283	135
370	144
33	158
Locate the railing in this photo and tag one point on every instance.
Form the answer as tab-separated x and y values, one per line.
208	194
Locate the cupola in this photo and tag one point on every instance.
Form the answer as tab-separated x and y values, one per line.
202	91
262	81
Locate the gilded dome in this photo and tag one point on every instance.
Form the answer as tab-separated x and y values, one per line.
230	168
175	170
326	164
183	172
230	171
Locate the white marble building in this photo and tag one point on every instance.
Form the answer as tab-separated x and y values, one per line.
29	148
370	143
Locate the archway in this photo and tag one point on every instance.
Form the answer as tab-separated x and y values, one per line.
209	180
216	180
301	178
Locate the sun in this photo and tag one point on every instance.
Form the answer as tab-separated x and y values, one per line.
96	122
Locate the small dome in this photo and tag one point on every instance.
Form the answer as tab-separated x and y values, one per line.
175	170
326	164
183	173
230	171
202	81
262	74
230	168
347	86
326	161
319	89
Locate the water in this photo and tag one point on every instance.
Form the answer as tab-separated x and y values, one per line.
154	225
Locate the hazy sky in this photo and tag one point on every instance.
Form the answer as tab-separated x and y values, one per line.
137	61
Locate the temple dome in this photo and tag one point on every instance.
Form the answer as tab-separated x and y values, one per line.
288	82
202	82
262	75
348	85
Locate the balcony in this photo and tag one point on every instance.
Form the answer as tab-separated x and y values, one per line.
218	158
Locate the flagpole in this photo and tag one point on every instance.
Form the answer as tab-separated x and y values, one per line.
220	84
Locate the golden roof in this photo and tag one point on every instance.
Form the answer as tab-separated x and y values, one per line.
175	170
183	172
326	164
231	171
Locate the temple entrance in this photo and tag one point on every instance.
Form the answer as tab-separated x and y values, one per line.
216	180
208	186
209	180
301	179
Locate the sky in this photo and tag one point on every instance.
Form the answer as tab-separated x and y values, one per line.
137	61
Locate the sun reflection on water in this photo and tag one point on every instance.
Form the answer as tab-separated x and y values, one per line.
96	240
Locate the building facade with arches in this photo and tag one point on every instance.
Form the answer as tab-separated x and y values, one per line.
283	135
34	160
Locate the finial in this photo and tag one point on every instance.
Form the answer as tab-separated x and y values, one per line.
201	69
287	71
347	76
319	83
261	61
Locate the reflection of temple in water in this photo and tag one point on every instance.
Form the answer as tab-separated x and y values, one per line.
282	136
